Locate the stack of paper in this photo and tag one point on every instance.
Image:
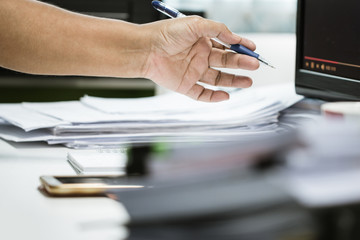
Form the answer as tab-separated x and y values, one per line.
96	162
172	117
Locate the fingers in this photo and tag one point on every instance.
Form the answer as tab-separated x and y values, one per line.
247	43
217	45
220	79
225	59
202	94
217	78
212	29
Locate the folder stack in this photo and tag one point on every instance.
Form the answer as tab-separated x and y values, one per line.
94	121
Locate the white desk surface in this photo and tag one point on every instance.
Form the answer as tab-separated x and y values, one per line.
27	214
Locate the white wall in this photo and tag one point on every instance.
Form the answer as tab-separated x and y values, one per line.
246	15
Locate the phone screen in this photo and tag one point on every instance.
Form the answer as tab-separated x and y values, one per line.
104	180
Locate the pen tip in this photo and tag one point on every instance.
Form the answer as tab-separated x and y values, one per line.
271	66
266	62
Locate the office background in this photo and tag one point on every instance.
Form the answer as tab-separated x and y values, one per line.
275	16
241	16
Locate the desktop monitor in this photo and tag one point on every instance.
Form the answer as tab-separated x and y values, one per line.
328	49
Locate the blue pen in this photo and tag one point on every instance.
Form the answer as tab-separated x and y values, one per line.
173	13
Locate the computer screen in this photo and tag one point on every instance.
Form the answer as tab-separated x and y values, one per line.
328	49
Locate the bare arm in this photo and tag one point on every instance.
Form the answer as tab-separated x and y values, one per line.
42	39
39	38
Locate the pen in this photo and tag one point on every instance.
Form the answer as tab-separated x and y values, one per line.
174	13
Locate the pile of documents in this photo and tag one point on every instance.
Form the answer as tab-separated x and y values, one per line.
93	162
94	121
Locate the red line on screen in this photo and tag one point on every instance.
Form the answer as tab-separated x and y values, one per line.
328	61
320	60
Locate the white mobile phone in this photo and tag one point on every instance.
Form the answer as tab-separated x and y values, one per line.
85	185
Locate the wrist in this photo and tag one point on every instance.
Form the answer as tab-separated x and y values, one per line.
146	41
126	50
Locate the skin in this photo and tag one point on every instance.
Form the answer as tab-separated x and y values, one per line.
177	54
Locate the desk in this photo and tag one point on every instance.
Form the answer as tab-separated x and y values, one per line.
27	214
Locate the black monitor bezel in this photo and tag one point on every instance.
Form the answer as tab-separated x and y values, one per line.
318	85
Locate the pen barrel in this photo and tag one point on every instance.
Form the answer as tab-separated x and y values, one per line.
243	50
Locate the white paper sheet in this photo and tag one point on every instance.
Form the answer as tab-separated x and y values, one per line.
71	111
174	103
177	118
98	161
169	103
16	134
27	119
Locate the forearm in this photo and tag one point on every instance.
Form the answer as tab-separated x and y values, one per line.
178	54
41	39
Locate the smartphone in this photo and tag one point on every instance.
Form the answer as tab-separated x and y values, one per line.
85	185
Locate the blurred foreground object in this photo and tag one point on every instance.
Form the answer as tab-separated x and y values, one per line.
325	171
216	191
347	111
323	176
295	186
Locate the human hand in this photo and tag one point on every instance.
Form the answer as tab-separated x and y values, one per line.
182	54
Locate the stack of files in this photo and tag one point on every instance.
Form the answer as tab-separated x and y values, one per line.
97	162
172	117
